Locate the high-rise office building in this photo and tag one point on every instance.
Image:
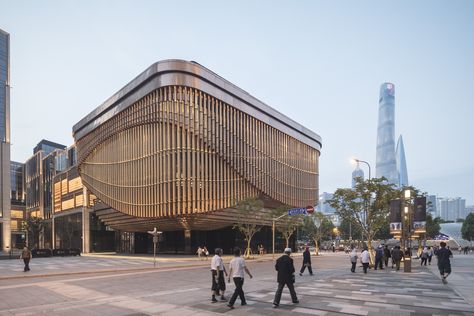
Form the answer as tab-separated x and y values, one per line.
450	209
357	173
5	209
401	164
47	160
386	165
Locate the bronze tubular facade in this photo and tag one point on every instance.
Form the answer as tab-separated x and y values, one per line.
182	154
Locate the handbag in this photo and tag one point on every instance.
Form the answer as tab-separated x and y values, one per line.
292	278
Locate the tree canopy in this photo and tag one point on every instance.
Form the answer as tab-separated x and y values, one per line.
467	229
248	219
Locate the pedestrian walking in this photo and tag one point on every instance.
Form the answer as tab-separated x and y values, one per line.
306	262
444	264
397	256
386	256
286	269
364	259
199	252
430	255
26	256
424	256
217	274
379	258
236	272
205	252
353	258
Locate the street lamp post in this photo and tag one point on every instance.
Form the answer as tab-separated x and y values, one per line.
273	233
155	235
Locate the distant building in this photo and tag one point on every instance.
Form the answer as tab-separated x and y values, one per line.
386	165
450	209
323	206
39	172
5	209
357	173
401	164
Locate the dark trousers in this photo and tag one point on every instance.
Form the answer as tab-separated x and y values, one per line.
239	283
397	264
386	261
378	263
353	268
365	266
424	260
429	259
309	268
290	286
27	264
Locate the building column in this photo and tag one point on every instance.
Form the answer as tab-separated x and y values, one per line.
86	232
5	207
187	241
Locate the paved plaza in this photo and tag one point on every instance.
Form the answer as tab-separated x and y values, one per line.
121	285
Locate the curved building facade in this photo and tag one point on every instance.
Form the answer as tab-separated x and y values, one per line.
178	147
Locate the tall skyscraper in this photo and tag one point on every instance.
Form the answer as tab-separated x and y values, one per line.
386	165
401	164
357	173
5	230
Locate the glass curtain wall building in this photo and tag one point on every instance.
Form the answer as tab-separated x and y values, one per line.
5	229
178	147
386	165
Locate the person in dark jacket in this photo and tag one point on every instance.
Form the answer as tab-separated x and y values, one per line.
397	256
444	264
306	262
286	269
379	258
386	255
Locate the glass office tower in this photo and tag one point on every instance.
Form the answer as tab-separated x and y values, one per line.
401	164
5	230
386	165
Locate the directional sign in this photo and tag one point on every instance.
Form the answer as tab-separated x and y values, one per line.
297	211
301	210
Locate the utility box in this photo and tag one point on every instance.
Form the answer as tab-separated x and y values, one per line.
407	264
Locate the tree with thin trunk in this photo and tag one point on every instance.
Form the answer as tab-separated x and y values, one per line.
33	226
288	224
249	220
367	206
315	227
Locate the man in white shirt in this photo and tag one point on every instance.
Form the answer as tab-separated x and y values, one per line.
217	274
236	271
364	258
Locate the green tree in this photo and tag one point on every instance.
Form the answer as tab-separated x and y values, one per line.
286	225
367	205
249	219
432	226
315	226
349	229
33	226
467	229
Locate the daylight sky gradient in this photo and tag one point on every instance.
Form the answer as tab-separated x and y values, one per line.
320	63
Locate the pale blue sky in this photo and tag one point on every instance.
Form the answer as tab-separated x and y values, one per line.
319	62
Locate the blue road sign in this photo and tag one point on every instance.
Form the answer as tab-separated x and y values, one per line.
297	211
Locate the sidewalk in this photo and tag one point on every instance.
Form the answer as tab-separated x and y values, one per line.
105	263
